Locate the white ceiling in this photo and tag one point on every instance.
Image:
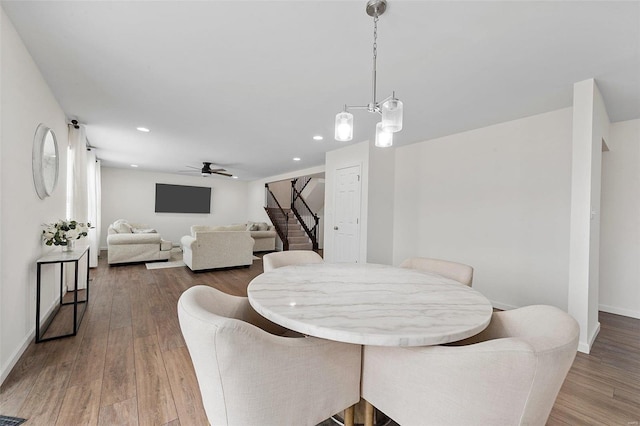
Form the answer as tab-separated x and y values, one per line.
247	84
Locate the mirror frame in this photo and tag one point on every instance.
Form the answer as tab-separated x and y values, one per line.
42	169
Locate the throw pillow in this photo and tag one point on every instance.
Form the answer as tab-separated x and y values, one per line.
123	228
262	226
254	227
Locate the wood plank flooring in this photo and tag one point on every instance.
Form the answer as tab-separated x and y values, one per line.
129	365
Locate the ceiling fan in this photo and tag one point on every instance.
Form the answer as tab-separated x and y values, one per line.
206	170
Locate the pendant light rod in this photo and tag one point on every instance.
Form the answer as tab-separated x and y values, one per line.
390	108
373	107
375	8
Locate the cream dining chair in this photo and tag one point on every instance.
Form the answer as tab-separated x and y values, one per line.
249	376
509	374
453	270
279	259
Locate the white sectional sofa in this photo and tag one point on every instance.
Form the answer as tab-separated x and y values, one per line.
211	247
264	235
134	242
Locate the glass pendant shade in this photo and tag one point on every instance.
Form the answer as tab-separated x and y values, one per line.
384	138
392	115
344	126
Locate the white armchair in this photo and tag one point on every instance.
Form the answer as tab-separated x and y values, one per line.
509	374
453	270
248	376
279	259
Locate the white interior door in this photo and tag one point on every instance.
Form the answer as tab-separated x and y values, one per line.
346	226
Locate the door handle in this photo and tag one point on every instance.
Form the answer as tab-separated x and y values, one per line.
335	228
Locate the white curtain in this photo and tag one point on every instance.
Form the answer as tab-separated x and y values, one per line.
94	207
84	188
76	191
77	204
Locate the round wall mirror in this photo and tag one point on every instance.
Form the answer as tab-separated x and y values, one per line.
45	161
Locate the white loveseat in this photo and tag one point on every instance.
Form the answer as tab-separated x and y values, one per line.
211	247
134	242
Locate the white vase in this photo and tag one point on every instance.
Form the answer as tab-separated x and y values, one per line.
70	245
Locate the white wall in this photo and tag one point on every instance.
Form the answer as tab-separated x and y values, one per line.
26	101
620	221
496	198
590	129
282	192
380	209
130	194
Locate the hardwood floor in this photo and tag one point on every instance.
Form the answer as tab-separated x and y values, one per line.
603	388
128	365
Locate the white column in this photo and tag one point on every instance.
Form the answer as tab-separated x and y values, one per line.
590	129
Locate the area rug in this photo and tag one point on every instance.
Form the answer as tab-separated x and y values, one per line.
175	261
11	421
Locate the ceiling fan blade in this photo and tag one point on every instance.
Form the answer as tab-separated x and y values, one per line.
192	167
217	170
220	173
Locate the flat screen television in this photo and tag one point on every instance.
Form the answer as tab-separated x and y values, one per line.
182	199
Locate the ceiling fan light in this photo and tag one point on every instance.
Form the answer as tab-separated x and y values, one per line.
384	139
392	115
344	126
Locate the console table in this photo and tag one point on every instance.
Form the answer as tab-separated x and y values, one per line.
61	258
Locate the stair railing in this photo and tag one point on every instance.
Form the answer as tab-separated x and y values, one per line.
307	218
274	210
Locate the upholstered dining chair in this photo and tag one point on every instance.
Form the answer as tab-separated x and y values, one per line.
271	261
453	270
509	374
249	376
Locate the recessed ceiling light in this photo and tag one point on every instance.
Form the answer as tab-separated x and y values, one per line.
142	129
317	138
296	158
134	165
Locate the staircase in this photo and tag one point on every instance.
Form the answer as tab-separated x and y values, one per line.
289	223
297	238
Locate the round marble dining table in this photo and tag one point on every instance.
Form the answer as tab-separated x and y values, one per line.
369	304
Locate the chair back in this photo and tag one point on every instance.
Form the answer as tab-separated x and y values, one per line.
448	269
279	259
554	335
249	376
509	374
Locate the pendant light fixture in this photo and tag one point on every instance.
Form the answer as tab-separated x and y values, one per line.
390	108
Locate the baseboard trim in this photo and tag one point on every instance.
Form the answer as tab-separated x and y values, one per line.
620	311
585	347
15	357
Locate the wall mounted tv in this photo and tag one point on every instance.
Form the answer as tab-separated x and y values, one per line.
182	199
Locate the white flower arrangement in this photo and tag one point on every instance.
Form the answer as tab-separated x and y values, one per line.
62	231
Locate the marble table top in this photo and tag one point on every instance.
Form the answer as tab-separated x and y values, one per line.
369	304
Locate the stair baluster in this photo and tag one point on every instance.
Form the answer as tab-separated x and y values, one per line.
275	213
307	218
